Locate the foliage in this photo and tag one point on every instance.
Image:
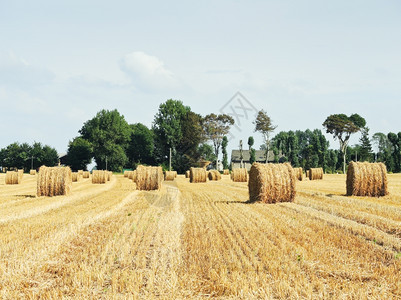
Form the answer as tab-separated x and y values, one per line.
79	154
215	128
20	156
141	145
263	124
251	141
224	144
109	134
206	152
341	127
384	148
395	140
365	151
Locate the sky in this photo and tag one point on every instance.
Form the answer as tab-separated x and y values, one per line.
63	61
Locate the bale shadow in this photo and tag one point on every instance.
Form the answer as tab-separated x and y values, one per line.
26	196
235	202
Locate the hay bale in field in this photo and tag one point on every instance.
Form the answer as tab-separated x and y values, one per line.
81	172
131	175
99	176
299	173
85	174
214	175
126	173
149	178
12	177
367	179
109	174
169	175
175	174
271	183
239	175
75	176
226	172
315	174
197	175
187	174
32	172
54	181
134	176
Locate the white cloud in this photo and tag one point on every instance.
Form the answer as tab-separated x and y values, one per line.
148	72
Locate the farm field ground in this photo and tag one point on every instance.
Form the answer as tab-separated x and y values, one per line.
198	240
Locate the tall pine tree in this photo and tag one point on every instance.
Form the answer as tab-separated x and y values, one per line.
366	152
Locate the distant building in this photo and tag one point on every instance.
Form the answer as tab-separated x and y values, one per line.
259	157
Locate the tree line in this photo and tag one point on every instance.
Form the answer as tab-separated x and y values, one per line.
114	144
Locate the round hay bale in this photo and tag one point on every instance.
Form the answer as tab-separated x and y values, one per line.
32	172
75	176
80	172
271	183
299	173
54	181
126	173
169	175
149	178
109	174
187	174
239	175
99	176
226	172
197	175
214	175
131	175
367	179
12	177
315	173
85	174
134	176
175	174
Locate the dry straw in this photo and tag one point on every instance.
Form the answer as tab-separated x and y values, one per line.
271	183
134	176
170	175
99	176
32	172
187	174
299	173
367	179
214	175
54	181
85	174
239	175
197	175
315	174
81	172
109	174
126	173
75	176
149	178
226	172
131	175
12	177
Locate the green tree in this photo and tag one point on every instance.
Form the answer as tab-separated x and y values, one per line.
342	126
384	148
141	145
263	124
109	134
206	152
79	154
252	152
224	144
215	128
395	141
366	151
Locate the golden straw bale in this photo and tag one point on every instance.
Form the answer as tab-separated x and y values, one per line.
315	174
85	174
134	176
239	175
214	175
99	176
271	183
32	172
131	175
175	174
187	174
126	173
299	173
54	181
75	176
109	174
169	175
197	175
12	177
81	172
149	178
226	172
367	179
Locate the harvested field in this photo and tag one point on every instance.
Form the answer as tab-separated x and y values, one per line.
189	241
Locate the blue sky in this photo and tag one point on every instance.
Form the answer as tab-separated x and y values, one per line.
300	61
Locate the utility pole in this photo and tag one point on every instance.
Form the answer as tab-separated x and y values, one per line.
241	156
32	163
106	163
356	156
169	165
